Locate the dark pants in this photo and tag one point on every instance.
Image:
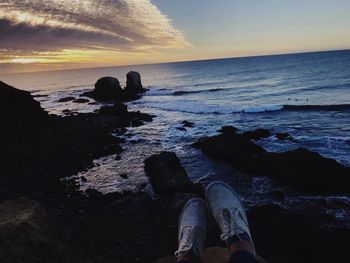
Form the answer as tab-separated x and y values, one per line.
237	257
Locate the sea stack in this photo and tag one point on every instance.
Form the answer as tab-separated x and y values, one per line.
108	89
133	82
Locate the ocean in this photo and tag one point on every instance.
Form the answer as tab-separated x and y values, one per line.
306	95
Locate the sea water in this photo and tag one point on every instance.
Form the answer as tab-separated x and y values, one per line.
306	95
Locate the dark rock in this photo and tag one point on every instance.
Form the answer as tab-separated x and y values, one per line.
39	95
66	99
93	193
66	112
136	123
80	100
167	176
285	231
118	158
26	234
124	176
133	82
304	170
228	130
108	89
257	134
117	109
181	129
284	136
20	115
187	124
233	148
83	178
89	94
279	194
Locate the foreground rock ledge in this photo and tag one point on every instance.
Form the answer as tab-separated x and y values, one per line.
27	234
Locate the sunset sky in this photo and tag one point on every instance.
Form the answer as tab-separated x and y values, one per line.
58	34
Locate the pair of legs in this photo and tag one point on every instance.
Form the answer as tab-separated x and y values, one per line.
224	204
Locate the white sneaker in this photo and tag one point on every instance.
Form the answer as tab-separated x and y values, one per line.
192	228
226	207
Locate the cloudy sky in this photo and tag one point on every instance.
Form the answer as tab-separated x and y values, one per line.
58	34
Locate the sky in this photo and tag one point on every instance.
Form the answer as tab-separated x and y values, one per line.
40	35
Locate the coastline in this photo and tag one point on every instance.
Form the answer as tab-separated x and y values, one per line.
104	228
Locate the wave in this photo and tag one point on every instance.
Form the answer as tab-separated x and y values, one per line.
184	92
195	107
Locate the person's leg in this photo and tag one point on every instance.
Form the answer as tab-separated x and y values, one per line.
191	232
229	213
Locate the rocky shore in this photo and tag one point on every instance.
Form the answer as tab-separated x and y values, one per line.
44	217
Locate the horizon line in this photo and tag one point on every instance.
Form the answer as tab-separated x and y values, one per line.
179	61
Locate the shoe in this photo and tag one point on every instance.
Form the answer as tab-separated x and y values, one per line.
226	207
192	228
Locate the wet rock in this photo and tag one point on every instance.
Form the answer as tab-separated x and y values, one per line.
181	129
228	130
303	170
26	234
80	100
133	82
167	175
136	123
117	109
257	134
187	124
66	99
284	136
66	112
124	176
233	148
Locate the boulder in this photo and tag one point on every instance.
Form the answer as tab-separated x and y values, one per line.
167	175
26	235
133	82
108	89
235	149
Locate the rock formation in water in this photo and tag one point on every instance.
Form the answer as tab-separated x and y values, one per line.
109	89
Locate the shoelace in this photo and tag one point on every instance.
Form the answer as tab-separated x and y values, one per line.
188	241
230	226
